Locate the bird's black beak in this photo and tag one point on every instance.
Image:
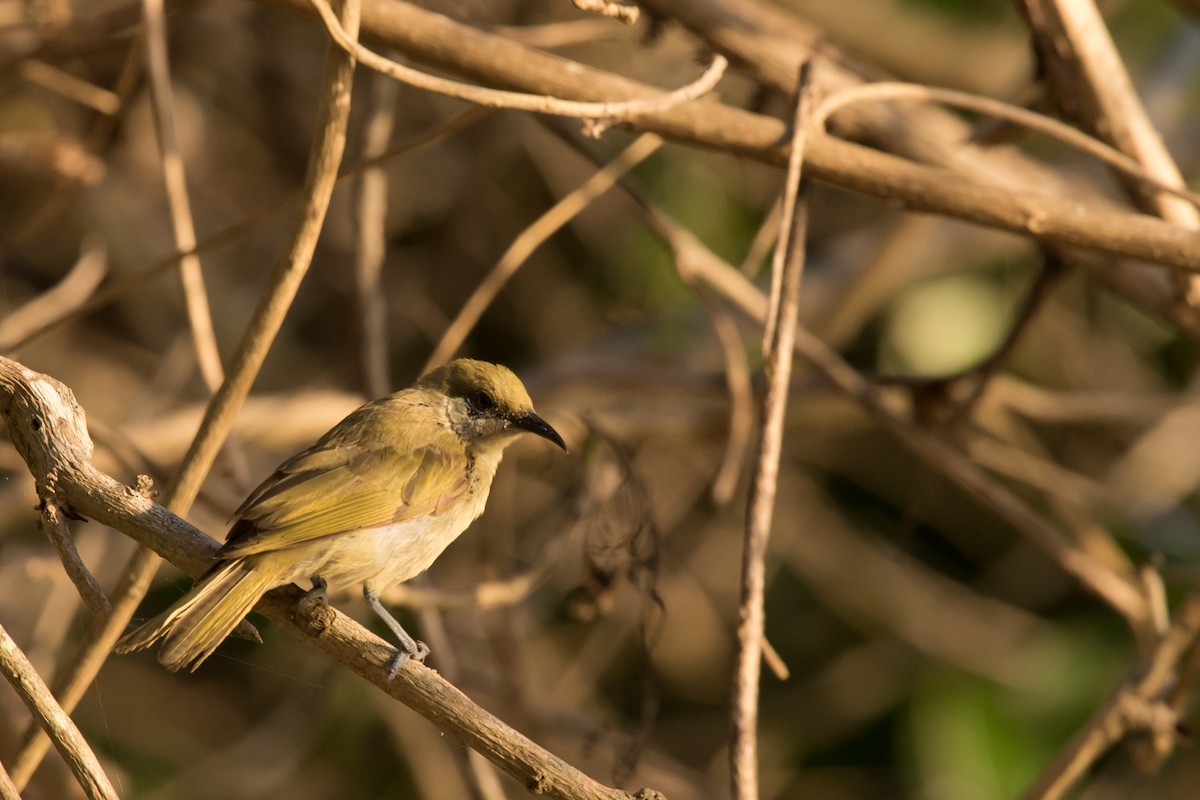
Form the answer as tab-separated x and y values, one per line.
534	424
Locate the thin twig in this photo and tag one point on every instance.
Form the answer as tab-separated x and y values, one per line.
55	526
204	338
778	354
532	237
982	373
1135	705
1078	44
8	789
741	400
328	145
764	240
71	293
541	104
54	720
774	661
625	14
69	86
371	253
888	90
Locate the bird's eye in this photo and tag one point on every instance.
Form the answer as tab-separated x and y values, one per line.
482	401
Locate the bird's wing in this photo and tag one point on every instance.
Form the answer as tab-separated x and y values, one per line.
330	490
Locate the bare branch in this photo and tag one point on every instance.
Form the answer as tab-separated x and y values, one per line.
204	338
493	98
57	530
58	725
625	14
1073	39
1136	705
782	314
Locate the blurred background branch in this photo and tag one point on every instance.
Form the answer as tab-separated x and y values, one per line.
985	522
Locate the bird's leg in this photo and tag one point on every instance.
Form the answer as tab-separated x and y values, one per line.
317	593
409	647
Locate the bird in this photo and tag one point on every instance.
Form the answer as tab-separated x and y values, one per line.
374	502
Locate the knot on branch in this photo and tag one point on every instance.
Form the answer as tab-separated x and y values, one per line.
143	485
538	783
649	794
313	616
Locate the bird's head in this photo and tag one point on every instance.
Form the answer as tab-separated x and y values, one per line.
488	403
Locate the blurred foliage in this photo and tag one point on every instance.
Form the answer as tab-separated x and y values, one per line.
933	652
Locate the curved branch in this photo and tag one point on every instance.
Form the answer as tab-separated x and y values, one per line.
58	725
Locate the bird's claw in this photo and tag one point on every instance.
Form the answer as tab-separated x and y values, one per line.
402	656
313	609
317	593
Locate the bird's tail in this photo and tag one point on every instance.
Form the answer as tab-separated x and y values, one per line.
201	619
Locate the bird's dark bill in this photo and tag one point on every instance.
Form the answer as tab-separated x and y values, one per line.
535	424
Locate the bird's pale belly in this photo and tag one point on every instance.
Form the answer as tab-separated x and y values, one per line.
379	557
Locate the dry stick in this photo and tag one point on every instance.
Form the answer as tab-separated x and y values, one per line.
67	738
204	339
764	240
542	104
285	279
137	280
741	405
1136	705
531	238
783	311
46	427
8	789
55	526
626	14
69	86
1130	168
67	295
372	238
1114	108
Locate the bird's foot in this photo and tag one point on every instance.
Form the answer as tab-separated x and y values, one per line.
313	609
402	655
317	593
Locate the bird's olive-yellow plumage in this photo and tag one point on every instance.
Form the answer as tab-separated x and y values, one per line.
374	501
